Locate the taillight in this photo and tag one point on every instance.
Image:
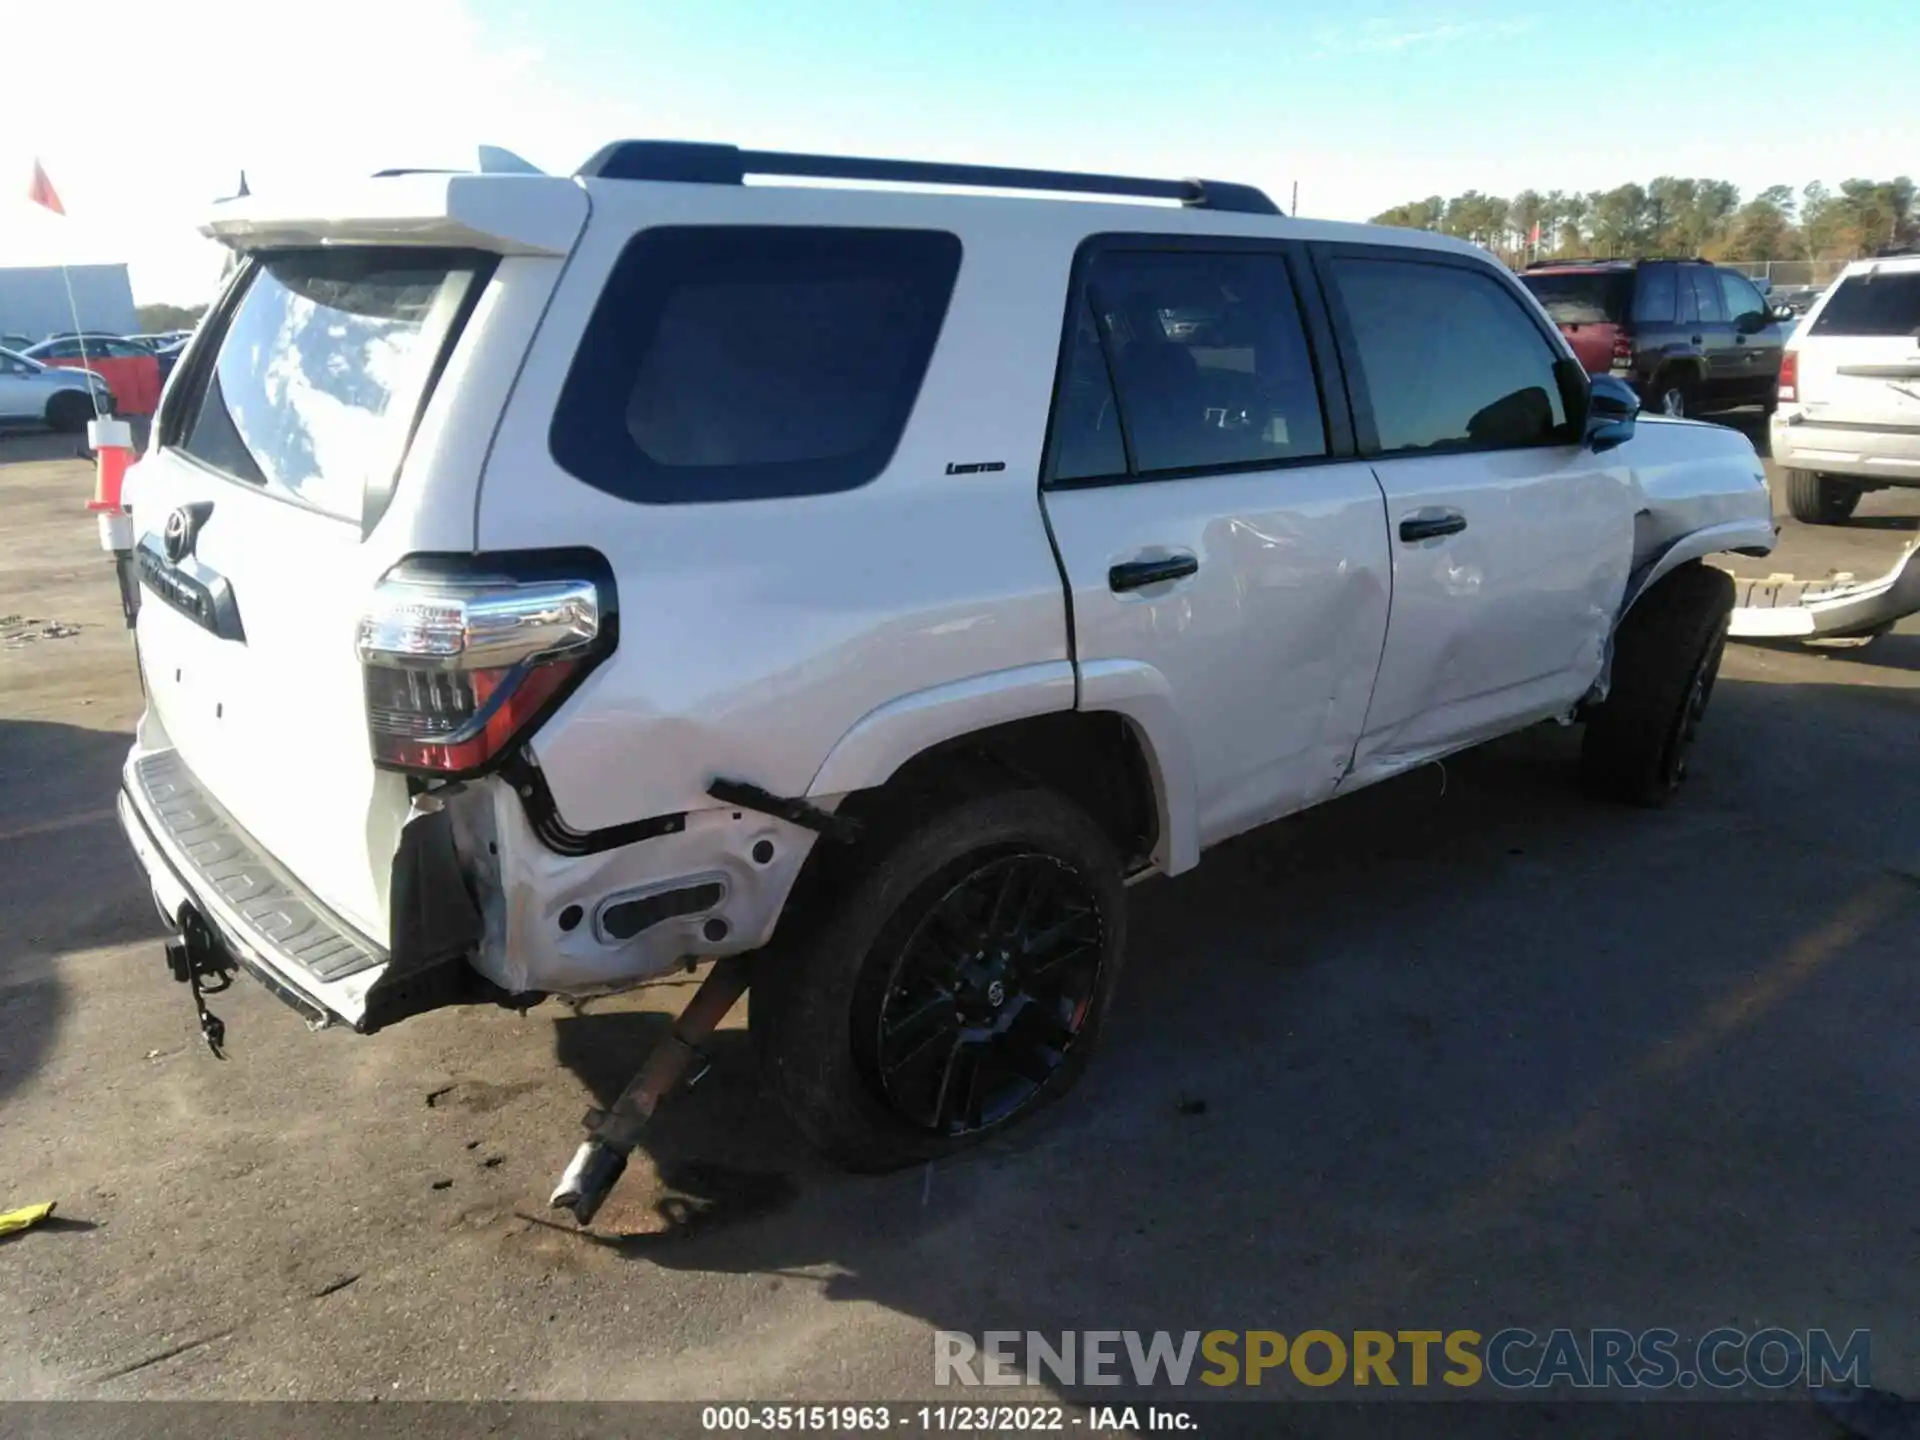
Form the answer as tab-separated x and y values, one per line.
1622	350
461	661
1789	376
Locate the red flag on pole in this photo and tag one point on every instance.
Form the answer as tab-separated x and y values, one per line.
41	191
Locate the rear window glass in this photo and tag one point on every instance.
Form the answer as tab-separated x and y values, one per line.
1873	305
1657	295
1581	298
321	371
740	363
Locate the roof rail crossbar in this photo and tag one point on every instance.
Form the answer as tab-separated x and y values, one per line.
705	164
1615	260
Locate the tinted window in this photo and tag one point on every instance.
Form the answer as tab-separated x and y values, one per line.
1580	297
1706	292
1210	360
1884	304
1449	357
322	367
1653	302
1086	422
1740	295
735	363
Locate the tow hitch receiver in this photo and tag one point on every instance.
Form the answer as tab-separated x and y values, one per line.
199	962
611	1134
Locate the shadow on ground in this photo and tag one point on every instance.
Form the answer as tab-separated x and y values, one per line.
1463	1042
67	881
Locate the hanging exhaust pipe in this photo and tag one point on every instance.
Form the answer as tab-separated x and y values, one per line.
600	1161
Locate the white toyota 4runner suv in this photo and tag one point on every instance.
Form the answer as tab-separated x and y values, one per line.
550	582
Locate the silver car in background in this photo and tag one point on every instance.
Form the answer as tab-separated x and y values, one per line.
57	397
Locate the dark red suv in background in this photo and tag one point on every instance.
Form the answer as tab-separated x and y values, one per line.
1689	336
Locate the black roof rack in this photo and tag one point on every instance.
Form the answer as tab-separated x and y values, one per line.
1617	260
696	163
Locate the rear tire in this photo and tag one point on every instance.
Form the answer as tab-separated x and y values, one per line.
1675	394
1820	499
933	967
69	412
1666	658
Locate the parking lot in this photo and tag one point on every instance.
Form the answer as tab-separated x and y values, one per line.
1464	1050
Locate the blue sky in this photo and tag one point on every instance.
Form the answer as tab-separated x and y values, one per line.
1363	105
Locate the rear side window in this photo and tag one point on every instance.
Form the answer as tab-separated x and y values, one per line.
1210	360
748	362
1873	305
324	362
1705	281
1450	359
1654	300
1582	297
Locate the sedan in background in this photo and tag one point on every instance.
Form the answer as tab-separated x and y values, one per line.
130	368
54	396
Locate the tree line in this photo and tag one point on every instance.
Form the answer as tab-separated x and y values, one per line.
156	318
1675	215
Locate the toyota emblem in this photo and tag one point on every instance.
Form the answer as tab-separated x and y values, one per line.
177	537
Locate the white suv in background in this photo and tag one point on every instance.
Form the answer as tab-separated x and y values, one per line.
1849	414
550	582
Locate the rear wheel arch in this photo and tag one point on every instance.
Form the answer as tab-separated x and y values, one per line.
1687	372
1098	760
68	410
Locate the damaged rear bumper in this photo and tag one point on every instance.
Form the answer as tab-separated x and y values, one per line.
1782	607
199	860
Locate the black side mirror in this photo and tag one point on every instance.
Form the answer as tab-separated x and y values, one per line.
1612	399
1575	391
1611	408
1753	322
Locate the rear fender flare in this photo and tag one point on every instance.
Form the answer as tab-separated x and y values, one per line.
1141	694
884	739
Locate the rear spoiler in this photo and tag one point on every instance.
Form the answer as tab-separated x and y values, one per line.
505	214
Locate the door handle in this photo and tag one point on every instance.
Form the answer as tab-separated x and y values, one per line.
1416	528
1134	574
1696	340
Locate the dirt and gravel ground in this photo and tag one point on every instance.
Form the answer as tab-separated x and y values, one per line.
1461	1051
